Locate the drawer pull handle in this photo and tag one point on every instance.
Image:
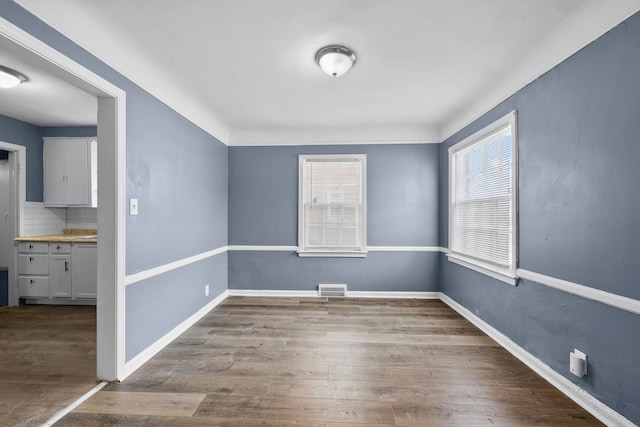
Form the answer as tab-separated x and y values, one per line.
66	266
57	247
30	246
31	282
30	259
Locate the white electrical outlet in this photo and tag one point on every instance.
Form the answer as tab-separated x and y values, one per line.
206	290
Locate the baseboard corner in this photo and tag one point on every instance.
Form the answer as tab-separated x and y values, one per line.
580	396
144	356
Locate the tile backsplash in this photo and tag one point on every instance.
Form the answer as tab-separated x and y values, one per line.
82	218
39	220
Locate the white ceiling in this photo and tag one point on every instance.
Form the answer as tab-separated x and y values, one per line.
45	99
244	70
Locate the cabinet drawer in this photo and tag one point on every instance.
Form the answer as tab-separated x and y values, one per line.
34	286
60	248
33	247
33	264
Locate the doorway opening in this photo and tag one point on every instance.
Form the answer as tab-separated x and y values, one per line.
111	102
6	226
12	190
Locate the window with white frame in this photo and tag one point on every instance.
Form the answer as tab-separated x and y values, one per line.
483	200
332	205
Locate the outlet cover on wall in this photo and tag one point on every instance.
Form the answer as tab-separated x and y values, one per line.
133	206
578	363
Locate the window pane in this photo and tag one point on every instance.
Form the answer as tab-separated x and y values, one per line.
482	221
332	203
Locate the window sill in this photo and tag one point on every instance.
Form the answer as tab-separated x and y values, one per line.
334	254
486	269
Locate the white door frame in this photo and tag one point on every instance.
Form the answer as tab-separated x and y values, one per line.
18	183
111	209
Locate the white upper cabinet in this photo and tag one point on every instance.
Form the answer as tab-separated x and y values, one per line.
70	172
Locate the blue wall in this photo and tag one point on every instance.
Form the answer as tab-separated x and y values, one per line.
179	174
25	134
402	197
174	294
4	288
578	132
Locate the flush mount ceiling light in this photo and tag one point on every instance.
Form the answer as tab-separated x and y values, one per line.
335	60
10	78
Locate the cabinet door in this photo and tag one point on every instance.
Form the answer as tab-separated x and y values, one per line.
77	172
60	276
54	172
84	270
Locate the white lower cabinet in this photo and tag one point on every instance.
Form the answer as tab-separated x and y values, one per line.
33	269
34	287
60	276
84	270
60	271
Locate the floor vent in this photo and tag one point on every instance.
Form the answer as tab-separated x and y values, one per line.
332	290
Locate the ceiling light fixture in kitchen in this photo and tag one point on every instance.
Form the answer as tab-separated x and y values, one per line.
335	60
10	78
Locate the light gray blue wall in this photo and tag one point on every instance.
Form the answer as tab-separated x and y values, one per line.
179	174
579	149
402	197
21	133
177	294
379	271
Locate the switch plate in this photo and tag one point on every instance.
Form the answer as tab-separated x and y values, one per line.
133	206
206	290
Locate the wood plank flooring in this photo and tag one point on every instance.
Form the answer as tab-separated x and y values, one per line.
331	363
47	360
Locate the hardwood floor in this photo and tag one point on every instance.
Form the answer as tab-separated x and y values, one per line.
337	362
47	360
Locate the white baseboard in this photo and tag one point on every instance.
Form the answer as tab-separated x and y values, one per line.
397	295
271	293
575	393
153	349
314	294
61	413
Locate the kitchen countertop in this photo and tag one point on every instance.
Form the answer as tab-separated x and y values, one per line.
71	235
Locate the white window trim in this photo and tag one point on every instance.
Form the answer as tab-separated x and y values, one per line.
328	252
505	275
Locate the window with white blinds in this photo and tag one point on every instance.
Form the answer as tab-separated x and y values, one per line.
332	205
482	211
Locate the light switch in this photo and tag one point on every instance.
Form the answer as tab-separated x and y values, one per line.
133	206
